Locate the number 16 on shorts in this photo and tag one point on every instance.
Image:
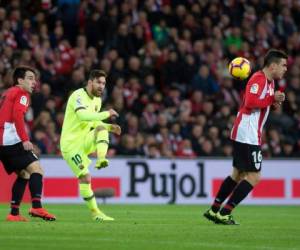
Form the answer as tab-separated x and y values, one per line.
257	159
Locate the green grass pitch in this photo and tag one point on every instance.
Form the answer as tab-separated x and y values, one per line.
142	227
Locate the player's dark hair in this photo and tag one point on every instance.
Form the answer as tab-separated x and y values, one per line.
20	72
96	73
274	56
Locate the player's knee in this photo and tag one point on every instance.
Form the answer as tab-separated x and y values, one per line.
236	175
253	178
98	129
35	167
241	176
23	174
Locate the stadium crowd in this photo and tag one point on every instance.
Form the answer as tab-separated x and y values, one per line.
167	65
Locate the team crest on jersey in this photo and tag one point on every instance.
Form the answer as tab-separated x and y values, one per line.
23	100
254	88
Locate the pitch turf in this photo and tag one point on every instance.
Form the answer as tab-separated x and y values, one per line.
143	227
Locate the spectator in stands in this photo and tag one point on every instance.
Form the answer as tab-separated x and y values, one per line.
287	148
127	146
185	150
204	81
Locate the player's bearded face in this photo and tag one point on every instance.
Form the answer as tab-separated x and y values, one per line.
98	85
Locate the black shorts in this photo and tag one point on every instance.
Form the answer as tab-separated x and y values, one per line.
247	157
15	157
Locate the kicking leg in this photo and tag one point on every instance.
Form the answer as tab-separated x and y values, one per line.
102	142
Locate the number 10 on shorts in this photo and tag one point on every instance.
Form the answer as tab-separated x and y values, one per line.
77	159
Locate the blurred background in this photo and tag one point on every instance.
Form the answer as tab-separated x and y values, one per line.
167	65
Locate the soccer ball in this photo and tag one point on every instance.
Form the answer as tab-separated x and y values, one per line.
239	68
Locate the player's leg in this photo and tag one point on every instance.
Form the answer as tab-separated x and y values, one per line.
88	196
252	167
96	140
225	190
36	188
241	192
17	191
227	185
101	136
16	159
79	162
35	183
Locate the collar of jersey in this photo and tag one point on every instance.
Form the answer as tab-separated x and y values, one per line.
91	97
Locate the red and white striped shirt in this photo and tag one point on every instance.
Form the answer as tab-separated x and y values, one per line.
253	113
13	106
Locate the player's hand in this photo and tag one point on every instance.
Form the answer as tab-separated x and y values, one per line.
276	105
279	96
116	129
28	146
112	113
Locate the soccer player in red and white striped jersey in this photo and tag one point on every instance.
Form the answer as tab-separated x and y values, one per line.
246	133
16	150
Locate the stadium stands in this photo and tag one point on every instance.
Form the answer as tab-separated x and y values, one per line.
167	65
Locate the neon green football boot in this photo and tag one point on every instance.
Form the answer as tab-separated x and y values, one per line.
101	163
225	219
210	215
100	216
